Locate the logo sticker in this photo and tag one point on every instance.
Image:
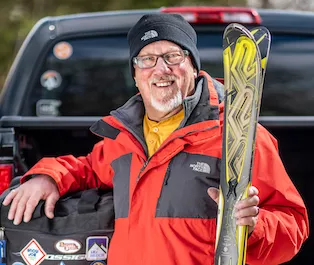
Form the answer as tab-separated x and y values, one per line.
68	246
50	80
48	107
63	50
149	35
201	167
98	263
32	253
65	257
18	263
97	248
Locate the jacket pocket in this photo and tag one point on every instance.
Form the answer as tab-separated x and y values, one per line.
184	191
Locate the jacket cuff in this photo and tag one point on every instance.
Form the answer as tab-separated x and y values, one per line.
258	231
44	171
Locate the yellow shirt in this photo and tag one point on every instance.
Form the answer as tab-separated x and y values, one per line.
156	133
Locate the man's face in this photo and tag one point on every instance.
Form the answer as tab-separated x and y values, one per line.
163	87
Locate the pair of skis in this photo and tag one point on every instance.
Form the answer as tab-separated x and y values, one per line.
245	55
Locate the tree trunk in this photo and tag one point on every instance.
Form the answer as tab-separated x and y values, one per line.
265	4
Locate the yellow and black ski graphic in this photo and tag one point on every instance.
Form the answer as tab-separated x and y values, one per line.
244	71
262	37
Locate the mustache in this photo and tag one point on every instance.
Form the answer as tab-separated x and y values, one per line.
163	78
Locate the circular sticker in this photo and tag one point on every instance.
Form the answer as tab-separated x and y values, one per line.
18	263
50	79
63	50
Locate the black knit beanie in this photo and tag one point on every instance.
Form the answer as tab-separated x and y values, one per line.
163	26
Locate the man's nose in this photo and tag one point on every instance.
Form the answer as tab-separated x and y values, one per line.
161	65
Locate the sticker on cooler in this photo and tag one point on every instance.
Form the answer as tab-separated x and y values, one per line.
33	253
97	248
63	50
68	246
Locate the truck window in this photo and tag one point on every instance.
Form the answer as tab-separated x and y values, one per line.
91	76
289	82
83	77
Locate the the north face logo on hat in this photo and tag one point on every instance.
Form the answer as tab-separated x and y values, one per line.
149	35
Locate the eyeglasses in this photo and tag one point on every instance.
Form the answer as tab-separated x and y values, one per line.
170	58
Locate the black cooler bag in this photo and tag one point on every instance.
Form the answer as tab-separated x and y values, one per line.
79	233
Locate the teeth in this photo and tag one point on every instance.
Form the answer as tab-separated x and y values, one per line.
163	84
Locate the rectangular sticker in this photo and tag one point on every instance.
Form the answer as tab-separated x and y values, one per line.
97	248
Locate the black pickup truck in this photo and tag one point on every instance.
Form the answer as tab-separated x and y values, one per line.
71	70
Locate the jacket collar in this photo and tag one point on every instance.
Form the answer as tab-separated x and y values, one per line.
201	106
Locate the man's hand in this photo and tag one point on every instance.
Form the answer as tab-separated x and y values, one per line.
246	210
25	198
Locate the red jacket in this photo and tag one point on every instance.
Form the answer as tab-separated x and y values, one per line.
163	213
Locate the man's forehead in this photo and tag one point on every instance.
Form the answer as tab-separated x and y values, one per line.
161	46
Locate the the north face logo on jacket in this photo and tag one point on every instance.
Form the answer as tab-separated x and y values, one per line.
201	167
149	35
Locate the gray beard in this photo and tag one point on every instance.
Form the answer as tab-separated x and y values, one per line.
170	105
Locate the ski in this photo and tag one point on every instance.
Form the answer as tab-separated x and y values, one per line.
245	57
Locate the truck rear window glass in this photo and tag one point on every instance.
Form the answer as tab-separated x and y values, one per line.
289	81
91	76
83	77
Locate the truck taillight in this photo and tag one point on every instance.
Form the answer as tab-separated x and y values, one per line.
221	80
216	15
6	175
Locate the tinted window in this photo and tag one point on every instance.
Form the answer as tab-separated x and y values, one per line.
86	77
91	76
289	82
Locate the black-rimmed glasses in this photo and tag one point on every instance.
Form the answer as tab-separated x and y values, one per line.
170	58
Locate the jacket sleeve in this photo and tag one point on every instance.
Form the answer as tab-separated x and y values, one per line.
282	224
73	174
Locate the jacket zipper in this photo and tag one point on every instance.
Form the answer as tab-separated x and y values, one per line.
142	169
167	175
165	183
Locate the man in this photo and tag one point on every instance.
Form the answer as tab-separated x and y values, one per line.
161	154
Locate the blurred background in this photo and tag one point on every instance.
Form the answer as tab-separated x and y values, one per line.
18	16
